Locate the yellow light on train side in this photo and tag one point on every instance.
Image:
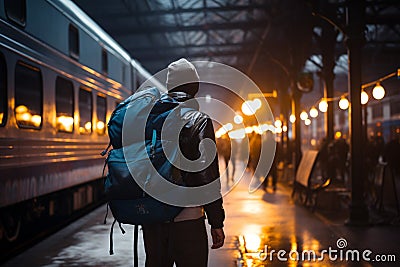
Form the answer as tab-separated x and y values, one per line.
100	125
65	123
36	120
88	126
21	109
1	117
23	117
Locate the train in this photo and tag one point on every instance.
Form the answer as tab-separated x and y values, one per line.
61	76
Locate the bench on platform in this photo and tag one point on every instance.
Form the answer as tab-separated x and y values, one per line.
305	185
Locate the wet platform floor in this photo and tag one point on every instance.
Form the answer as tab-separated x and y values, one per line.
254	222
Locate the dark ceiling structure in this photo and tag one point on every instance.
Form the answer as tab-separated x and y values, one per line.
270	40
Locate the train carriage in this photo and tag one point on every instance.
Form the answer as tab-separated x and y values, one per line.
61	76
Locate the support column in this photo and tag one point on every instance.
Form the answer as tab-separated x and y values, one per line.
355	23
328	41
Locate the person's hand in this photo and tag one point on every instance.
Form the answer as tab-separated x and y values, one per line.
218	238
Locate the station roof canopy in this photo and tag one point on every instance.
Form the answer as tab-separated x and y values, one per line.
266	39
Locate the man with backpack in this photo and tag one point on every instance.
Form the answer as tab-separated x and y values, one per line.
184	240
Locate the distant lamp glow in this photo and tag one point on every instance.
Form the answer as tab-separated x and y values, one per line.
247	108
256	103
292	118
278	123
228	126
238	119
364	97
237	134
323	106
313	112
303	115
248	129
307	121
252	242
338	135
378	92
343	103
284	128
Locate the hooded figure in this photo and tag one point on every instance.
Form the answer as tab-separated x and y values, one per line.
184	241
182	76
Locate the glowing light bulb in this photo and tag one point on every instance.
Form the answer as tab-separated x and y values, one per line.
378	92
343	103
303	115
364	98
292	118
323	106
313	112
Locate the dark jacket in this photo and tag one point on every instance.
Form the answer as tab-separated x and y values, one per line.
198	126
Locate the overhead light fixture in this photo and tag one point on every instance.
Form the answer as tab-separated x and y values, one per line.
313	112
364	97
303	115
323	106
378	92
292	118
343	103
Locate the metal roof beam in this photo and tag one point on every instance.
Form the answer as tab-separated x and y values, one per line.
243	25
183	10
206	45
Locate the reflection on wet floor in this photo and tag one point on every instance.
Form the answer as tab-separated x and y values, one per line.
270	222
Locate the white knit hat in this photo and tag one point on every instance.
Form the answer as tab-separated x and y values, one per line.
181	72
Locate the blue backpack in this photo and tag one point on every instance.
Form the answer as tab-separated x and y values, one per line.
127	200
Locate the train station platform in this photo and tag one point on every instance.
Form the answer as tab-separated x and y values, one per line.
259	222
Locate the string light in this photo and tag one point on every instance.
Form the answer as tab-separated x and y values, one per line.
378	92
343	103
323	106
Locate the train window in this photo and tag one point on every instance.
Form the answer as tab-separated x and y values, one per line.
16	11
104	61
73	34
101	115
85	111
64	105
28	96
123	74
3	90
